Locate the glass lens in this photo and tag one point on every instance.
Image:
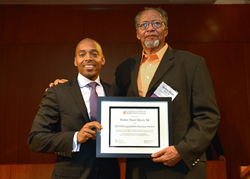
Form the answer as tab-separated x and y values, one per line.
144	25
156	24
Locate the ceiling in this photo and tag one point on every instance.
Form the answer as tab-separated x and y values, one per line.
124	1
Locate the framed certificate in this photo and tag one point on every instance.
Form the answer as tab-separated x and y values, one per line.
133	127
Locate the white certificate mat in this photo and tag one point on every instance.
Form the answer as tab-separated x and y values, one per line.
133	127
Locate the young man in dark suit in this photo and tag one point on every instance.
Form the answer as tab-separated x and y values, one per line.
65	123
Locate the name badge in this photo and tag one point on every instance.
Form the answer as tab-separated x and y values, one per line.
165	91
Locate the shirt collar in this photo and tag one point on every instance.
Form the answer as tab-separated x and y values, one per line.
83	81
160	53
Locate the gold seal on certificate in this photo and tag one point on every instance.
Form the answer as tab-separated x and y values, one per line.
133	127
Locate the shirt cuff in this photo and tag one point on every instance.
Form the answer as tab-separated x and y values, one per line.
76	146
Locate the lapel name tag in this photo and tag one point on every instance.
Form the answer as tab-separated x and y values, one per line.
165	91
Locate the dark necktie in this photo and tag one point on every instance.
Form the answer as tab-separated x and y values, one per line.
93	101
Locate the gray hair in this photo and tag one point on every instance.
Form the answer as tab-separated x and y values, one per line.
161	11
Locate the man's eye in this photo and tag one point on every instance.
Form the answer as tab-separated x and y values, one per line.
94	54
144	24
82	54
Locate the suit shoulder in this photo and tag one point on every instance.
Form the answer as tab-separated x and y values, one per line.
115	91
130	61
109	85
186	55
185	58
63	86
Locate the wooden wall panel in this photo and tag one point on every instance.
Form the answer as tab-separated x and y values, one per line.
5	171
9	108
246	47
27	79
199	23
114	26
36	171
1	24
245	26
216	170
42	24
39	42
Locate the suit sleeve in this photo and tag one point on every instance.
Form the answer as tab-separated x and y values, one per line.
205	117
45	135
217	145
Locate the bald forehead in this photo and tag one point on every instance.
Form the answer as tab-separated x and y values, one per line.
150	14
89	42
88	45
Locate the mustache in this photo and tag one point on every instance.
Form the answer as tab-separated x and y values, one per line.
149	35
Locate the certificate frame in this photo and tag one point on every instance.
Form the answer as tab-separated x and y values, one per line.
109	112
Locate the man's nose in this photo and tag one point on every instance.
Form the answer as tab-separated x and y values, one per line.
88	56
150	27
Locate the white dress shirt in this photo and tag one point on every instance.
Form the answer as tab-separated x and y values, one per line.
86	90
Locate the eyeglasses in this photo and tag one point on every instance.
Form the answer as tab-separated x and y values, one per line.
156	24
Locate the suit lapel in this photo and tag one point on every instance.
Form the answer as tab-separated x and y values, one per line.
107	89
77	96
163	67
134	74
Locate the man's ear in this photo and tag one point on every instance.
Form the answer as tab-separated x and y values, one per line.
137	35
75	62
103	60
166	31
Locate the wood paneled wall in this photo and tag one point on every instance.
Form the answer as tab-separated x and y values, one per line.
37	45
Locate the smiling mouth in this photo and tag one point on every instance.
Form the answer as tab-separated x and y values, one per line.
89	67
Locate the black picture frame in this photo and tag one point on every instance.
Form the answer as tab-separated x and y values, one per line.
105	106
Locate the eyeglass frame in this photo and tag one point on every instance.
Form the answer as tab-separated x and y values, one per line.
152	23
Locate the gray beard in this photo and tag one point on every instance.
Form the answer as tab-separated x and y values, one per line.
152	44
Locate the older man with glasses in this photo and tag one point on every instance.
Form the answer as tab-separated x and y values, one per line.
195	113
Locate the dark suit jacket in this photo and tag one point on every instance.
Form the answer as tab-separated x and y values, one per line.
62	112
195	113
